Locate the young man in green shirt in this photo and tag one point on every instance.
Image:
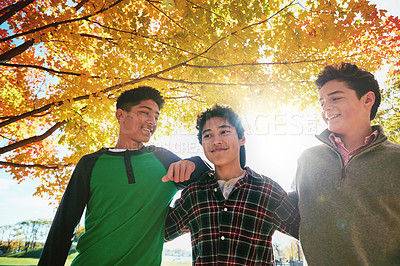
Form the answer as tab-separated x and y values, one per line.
126	202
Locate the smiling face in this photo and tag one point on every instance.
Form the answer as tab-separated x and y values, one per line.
139	124
342	110
221	143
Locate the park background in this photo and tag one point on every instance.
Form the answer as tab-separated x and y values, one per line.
275	139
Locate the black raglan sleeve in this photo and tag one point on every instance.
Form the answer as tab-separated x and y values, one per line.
69	213
167	158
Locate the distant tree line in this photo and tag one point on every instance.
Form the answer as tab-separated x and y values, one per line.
23	235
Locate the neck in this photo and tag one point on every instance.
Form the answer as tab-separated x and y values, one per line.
355	139
228	172
128	144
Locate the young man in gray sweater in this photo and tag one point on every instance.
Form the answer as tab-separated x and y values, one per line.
349	187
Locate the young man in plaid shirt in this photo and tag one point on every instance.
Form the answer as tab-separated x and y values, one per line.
231	212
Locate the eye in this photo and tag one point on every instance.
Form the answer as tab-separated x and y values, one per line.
224	132
206	136
144	112
336	98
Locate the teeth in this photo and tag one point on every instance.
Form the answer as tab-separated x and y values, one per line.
332	117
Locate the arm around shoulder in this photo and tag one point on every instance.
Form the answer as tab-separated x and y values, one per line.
182	172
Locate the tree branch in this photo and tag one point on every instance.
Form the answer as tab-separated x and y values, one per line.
184	97
255	64
41	166
10	11
159	10
181	81
98	37
32	139
180	26
56	24
146	37
46	69
16	51
237	31
30	113
134	81
80	4
208	10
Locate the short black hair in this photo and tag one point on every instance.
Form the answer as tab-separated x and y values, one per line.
357	79
229	115
133	97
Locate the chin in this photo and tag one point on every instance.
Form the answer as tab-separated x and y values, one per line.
336	130
144	140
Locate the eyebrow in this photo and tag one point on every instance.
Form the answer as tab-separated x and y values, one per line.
222	126
332	93
148	108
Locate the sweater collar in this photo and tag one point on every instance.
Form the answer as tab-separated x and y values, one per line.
324	136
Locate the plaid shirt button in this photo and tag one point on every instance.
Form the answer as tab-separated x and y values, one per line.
222	238
225	209
215	189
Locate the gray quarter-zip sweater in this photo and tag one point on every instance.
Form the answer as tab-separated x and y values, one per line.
350	215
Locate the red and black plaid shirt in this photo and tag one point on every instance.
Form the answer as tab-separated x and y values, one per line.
238	230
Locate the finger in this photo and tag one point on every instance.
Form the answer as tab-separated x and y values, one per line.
189	170
170	173
165	178
182	170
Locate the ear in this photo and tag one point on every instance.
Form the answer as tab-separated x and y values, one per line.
242	140
120	114
369	99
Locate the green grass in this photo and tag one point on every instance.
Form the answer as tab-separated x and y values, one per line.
31	253
29	261
17	261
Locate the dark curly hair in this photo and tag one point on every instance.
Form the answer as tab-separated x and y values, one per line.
357	79
133	97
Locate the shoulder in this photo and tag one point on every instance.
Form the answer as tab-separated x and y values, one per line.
315	152
165	156
92	156
204	179
153	148
256	177
315	149
159	151
264	187
204	182
390	149
261	180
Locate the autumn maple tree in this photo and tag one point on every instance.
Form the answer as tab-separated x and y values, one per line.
63	63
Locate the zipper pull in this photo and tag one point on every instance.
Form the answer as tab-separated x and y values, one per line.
342	177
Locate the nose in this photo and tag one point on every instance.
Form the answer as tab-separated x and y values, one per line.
217	140
151	119
326	106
